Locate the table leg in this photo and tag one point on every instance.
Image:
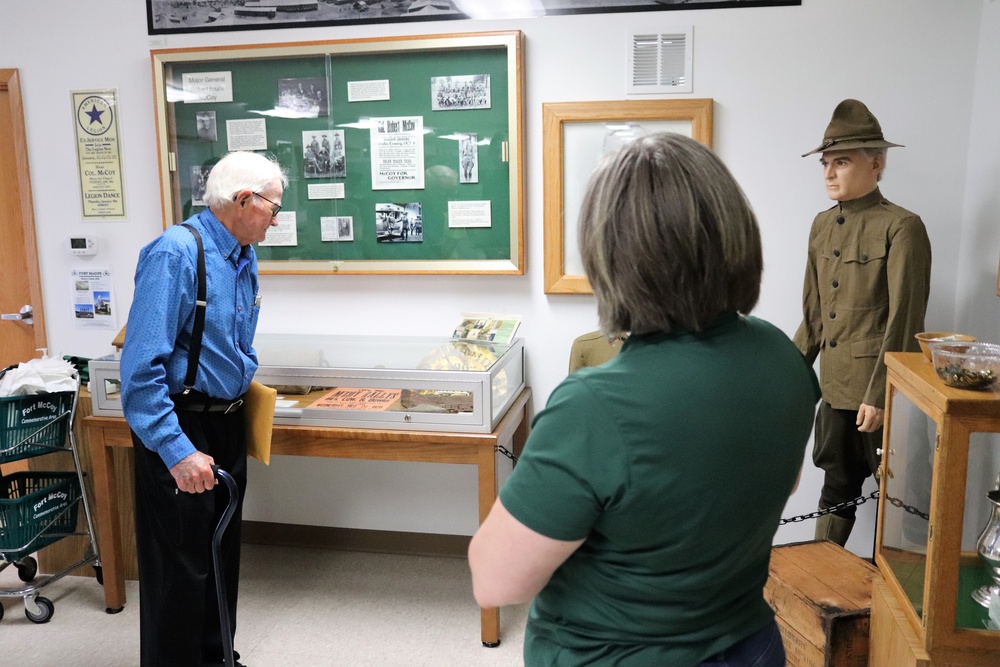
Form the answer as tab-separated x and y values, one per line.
521	433
490	621
109	526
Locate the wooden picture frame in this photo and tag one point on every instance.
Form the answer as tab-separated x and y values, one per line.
570	135
280	98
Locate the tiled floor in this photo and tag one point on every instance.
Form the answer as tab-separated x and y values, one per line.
297	607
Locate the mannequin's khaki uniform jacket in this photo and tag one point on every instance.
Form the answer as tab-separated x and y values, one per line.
865	294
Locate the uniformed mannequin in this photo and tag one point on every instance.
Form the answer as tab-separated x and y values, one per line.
866	287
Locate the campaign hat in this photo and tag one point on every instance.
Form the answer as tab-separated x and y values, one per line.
852	126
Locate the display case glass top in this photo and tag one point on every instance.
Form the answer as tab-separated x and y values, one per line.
388	352
402	382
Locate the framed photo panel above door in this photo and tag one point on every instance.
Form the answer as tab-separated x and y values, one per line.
575	135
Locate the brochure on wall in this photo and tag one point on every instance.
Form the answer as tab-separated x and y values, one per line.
488	327
93	299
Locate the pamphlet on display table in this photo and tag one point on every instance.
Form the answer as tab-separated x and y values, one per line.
487	327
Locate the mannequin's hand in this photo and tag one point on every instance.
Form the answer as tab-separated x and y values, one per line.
869	418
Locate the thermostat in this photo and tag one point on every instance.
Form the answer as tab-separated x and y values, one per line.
83	245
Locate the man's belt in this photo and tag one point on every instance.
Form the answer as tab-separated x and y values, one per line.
196	401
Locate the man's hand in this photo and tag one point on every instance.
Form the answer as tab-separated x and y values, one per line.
193	473
869	418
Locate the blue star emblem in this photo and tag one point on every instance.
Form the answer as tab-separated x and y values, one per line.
95	115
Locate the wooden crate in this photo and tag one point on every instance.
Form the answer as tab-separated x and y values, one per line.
821	595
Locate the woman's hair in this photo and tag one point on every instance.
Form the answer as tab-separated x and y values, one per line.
668	239
241	170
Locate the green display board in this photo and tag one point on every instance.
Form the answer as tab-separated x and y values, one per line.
403	155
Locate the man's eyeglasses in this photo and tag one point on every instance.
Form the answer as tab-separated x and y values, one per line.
275	208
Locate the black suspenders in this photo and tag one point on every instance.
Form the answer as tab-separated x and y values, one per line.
199	315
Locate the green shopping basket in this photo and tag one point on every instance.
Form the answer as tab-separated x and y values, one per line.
33	425
37	508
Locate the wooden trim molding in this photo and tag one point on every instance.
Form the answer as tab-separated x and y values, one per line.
355	539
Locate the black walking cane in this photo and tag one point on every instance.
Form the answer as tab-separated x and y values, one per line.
220	583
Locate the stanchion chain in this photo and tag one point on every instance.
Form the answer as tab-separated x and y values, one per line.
506	452
860	500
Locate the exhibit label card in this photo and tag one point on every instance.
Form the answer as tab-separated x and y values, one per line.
247	134
286	233
99	154
469	213
367	91
397	146
325	190
204	87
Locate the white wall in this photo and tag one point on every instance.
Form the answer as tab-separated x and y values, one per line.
925	68
977	305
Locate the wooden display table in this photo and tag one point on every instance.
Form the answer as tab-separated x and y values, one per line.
105	434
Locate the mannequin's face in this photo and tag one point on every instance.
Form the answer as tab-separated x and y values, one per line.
850	174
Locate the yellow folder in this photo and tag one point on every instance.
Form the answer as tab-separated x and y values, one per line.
258	412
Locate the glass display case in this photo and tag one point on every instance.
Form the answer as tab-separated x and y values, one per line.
398	382
940	461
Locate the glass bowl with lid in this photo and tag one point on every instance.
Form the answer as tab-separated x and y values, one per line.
966	365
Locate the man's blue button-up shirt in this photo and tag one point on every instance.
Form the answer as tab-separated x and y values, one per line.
155	355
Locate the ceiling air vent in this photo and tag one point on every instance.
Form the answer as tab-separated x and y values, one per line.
660	62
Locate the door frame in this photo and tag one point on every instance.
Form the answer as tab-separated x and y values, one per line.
10	84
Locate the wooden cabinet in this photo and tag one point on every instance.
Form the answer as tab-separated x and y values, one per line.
940	453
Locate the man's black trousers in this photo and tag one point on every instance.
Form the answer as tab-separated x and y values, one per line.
178	612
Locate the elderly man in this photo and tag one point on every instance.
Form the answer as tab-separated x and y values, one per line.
187	361
866	287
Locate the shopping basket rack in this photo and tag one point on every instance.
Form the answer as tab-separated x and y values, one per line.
38	508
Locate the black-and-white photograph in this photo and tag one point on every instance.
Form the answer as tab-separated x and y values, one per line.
207	128
460	92
337	228
323	154
199	179
399	223
468	158
304	97
179	16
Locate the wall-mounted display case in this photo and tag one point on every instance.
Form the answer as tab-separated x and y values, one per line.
941	456
404	154
395	382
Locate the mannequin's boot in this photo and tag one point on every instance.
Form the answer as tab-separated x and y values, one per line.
834	528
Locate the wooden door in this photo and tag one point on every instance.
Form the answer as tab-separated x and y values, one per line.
20	282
